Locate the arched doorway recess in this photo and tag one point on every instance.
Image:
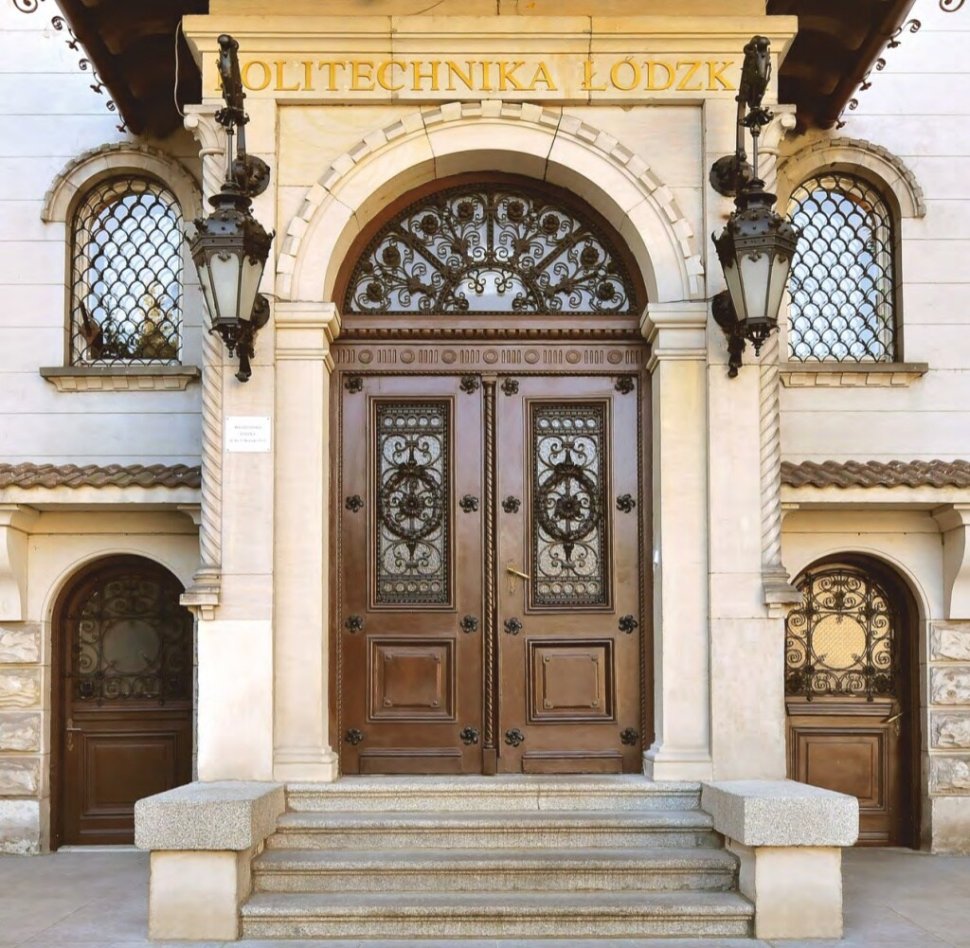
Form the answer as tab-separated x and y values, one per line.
490	492
123	697
852	693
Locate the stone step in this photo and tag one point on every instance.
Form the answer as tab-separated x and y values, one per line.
462	870
506	793
472	830
497	915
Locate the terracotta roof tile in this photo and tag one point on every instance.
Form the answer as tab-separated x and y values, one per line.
93	475
876	474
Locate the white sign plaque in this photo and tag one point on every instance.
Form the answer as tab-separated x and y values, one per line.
248	434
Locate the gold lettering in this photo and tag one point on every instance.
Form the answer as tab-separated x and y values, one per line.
418	77
486	78
543	75
588	78
455	72
360	72
634	80
692	68
651	76
280	66
308	75
505	76
714	70
331	70
254	86
382	72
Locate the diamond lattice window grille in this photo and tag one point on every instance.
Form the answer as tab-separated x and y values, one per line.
126	281
843	277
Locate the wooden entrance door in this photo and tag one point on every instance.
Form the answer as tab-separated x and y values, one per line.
851	696
124	719
488	574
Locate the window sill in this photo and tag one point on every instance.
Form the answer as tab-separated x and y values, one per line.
122	378
851	375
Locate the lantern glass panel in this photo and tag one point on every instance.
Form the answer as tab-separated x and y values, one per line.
755	274
252	273
224	273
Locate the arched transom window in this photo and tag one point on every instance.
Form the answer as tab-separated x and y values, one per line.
126	299
843	278
841	640
491	249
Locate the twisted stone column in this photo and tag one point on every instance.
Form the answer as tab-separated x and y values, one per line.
204	592
778	590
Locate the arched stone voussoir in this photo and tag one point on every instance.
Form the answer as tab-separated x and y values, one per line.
119	158
877	164
490	136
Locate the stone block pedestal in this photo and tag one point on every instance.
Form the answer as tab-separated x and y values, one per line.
202	838
789	838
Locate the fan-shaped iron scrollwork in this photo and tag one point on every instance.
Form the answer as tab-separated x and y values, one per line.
498	249
569	548
412	502
840	641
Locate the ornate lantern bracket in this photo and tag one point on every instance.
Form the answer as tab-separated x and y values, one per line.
757	244
230	247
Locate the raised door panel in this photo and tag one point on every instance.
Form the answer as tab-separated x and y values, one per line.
409	568
569	606
857	754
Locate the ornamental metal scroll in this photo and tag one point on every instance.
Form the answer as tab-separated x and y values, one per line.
490	250
841	640
132	641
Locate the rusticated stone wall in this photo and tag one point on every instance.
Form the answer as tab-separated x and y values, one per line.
949	700
21	737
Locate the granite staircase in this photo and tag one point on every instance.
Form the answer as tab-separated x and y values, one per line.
506	857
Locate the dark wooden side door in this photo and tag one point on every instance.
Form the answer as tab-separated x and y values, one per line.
850	696
123	729
409	565
569	589
488	576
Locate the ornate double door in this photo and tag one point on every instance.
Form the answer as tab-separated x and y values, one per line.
489	608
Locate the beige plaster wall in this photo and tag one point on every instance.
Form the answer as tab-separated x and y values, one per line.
916	109
52	116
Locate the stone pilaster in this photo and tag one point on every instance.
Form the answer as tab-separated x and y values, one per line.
677	333
302	748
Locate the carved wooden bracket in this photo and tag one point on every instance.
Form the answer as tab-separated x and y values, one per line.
15	523
953	520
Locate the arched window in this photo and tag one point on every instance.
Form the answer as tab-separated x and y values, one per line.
499	248
843	280
126	274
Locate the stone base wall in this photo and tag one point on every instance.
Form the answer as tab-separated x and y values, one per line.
949	736
23	756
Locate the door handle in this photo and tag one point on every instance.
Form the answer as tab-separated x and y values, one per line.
71	730
512	573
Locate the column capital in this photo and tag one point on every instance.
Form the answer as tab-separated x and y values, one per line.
304	331
200	120
675	331
953	521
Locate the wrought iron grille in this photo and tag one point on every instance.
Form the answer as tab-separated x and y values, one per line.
490	250
568	514
413	502
132	640
126	301
841	640
843	280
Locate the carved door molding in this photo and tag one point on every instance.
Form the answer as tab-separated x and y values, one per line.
459	470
